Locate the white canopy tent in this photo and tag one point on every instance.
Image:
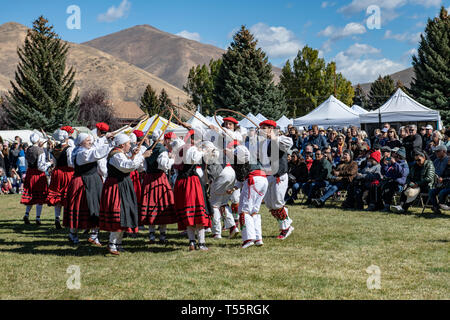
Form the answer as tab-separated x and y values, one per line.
358	109
284	121
261	117
248	124
401	108
193	121
331	113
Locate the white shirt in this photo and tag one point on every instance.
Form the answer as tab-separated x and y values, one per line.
84	156
193	155
281	143
43	164
121	162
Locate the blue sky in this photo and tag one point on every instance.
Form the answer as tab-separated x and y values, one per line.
343	31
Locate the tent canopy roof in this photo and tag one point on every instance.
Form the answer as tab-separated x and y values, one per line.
358	109
331	112
248	124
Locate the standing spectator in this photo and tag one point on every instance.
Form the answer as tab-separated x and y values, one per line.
383	137
442	176
22	162
420	180
412	144
296	139
14	155
342	176
402	133
5	152
393	141
2	157
428	136
317	140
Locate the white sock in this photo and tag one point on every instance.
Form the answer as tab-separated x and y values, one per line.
38	211
93	233
57	212
191	233
201	234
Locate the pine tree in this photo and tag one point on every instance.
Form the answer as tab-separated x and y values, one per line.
310	81
42	95
380	91
360	98
200	85
245	80
431	85
149	101
164	103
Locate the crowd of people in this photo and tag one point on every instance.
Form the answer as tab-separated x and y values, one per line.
371	169
13	165
217	178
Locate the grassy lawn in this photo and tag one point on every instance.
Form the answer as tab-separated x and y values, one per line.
326	257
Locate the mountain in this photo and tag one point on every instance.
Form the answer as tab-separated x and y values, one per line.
165	55
405	76
123	81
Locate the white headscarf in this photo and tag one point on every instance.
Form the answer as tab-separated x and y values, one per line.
34	138
133	138
121	139
61	135
81	137
156	134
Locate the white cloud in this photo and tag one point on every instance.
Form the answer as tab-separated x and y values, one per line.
189	35
359	69
114	13
350	29
412	38
277	42
387	7
327	4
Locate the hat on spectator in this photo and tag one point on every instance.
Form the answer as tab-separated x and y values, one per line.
384	130
429	127
395	150
386	149
376	155
401	152
440	148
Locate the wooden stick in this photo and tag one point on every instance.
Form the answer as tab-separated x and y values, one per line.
236	112
148	131
165	129
192	114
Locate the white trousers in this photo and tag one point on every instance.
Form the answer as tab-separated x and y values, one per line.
249	205
218	191
274	198
217	219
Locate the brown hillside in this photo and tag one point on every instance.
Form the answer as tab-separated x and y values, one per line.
405	76
165	55
94	69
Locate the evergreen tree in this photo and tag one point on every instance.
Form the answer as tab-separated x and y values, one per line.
200	85
360	98
431	85
245	80
149	101
42	95
164	103
380	91
310	81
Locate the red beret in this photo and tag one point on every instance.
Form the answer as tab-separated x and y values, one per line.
231	119
101	126
233	144
69	129
170	135
138	133
269	123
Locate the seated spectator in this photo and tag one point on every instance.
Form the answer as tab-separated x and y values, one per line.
442	171
298	175
341	177
420	180
364	138
376	136
332	138
427	136
318	176
15	180
335	158
309	159
366	180
383	139
361	158
5	184
341	146
395	171
402	133
436	140
393	141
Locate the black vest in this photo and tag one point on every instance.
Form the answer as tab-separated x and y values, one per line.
86	169
61	157
152	164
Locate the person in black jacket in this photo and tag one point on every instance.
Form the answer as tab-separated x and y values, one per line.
412	144
318	177
298	175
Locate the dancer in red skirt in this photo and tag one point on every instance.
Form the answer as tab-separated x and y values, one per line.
157	206
35	186
191	203
82	205
61	174
118	204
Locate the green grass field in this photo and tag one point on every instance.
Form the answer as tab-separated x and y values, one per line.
326	257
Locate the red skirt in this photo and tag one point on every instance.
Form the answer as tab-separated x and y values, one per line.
76	210
157	205
135	178
35	188
190	204
59	183
109	219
